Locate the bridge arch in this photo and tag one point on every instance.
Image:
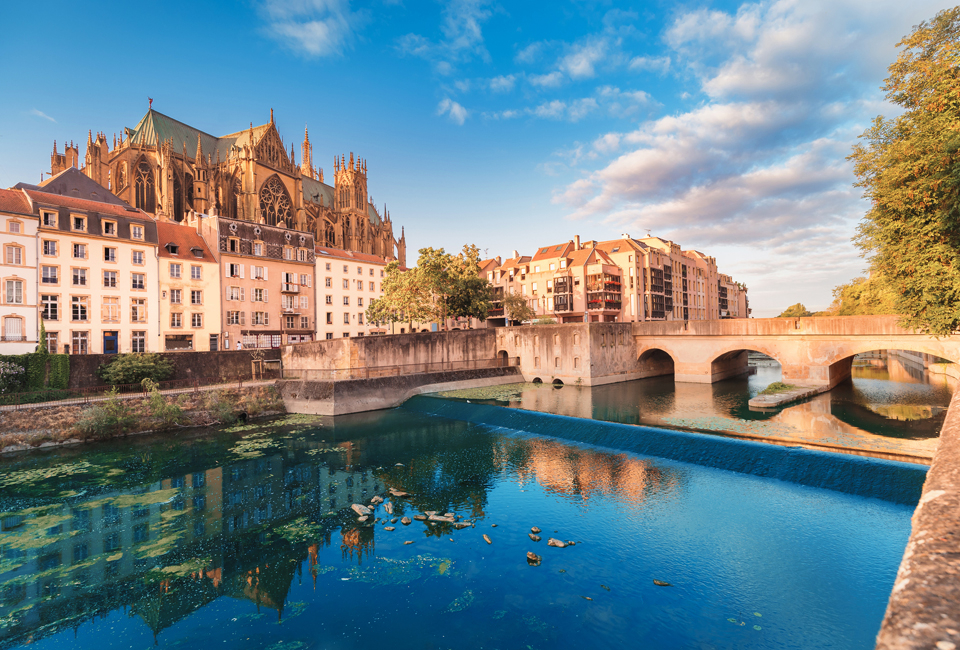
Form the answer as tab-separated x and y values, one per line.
839	362
733	359
655	362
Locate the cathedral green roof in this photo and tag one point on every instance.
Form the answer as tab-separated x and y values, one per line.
372	213
314	189
155	128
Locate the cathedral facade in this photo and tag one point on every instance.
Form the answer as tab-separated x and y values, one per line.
168	169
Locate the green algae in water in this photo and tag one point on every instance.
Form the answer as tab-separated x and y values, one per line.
462	602
502	393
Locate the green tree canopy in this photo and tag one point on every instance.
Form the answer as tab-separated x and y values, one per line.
908	167
441	286
515	307
795	311
134	368
863	297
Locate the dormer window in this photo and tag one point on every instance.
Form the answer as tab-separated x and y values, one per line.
173	249
136	232
50	219
197	252
258	248
80	223
110	228
233	245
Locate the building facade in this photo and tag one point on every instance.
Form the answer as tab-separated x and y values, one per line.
190	313
97	258
266	275
620	280
18	274
347	283
168	169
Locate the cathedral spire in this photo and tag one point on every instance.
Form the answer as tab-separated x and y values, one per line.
271	116
199	157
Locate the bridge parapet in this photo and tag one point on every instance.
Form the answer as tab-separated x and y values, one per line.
833	326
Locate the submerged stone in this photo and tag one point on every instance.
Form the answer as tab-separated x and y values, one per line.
556	542
535	530
533	559
406	521
361	510
535	538
487	539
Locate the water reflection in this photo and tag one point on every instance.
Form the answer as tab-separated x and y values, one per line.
229	537
889	408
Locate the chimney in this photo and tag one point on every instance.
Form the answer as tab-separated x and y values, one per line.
516	254
498	260
625	236
576	243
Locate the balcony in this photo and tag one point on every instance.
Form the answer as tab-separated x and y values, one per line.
496	312
288	287
13	338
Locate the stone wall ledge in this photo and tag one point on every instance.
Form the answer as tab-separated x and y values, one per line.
924	607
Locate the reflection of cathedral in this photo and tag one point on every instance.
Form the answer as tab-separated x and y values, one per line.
168	168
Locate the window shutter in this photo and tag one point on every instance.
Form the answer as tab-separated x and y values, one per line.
266	318
241	269
266	295
226	270
242	294
266	273
243	318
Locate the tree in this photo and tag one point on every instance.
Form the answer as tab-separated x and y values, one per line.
908	167
795	311
863	297
134	368
440	286
515	307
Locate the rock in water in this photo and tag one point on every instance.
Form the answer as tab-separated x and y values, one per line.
394	520
493	525
420	517
605	587
363	511
556	542
535	530
661	583
388	507
429	513
487	539
406	521
389	528
535	538
461	524
377	499
408	542
364	518
533	559
586	597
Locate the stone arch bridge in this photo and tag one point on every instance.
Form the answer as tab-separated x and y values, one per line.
811	351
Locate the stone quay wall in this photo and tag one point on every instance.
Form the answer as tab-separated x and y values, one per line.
924	607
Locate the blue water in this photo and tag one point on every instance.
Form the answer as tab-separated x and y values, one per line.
271	557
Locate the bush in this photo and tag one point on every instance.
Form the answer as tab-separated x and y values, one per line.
111	417
134	368
59	377
220	408
167	413
776	387
12	377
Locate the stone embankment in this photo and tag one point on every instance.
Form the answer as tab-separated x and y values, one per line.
50	425
924	608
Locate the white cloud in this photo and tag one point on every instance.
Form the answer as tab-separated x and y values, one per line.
39	113
758	167
462	36
553	110
580	62
312	28
456	112
503	83
551	80
530	54
659	64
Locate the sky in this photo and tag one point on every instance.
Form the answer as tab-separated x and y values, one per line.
723	126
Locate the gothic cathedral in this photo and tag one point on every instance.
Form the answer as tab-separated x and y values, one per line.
168	168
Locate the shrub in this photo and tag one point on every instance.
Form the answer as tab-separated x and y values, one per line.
168	413
776	387
134	368
12	377
220	407
111	417
59	377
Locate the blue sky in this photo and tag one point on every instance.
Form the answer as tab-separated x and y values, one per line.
723	126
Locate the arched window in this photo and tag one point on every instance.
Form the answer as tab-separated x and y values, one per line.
145	188
330	235
275	204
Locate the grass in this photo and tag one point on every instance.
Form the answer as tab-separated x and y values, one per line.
776	387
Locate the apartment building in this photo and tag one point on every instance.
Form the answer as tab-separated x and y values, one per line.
620	280
347	283
189	290
18	274
267	288
97	258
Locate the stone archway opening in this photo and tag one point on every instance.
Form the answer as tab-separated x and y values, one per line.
503	360
736	363
537	380
896	365
655	363
557	383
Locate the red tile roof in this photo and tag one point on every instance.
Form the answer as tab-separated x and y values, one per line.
74	203
515	262
14	202
185	238
325	252
488	265
553	251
